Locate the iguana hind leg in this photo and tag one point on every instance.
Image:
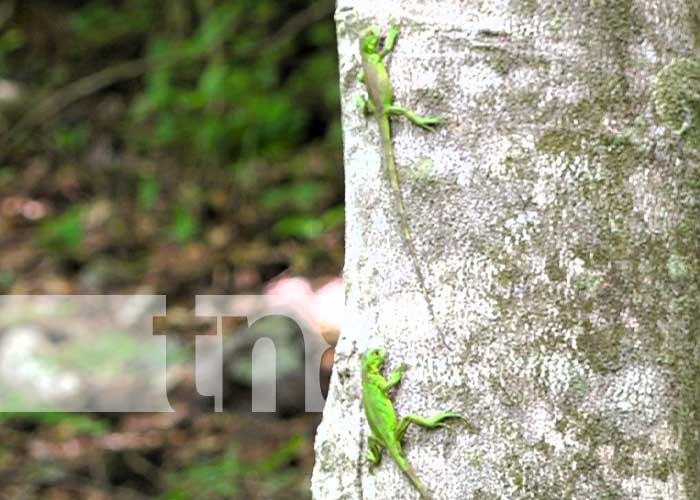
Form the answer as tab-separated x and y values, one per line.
426	122
365	106
374	453
429	423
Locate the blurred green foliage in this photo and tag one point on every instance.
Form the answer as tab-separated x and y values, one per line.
227	476
71	139
10	41
239	95
75	423
184	226
223	84
148	192
63	233
178	144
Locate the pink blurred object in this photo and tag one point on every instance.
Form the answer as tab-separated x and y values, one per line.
28	208
323	308
328	305
289	287
34	210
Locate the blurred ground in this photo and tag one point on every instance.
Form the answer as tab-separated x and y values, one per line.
176	147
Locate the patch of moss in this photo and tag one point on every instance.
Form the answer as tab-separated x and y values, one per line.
560	425
556	141
587	282
662	470
601	348
676	96
694	14
503	61
554	271
677	267
528	8
617	18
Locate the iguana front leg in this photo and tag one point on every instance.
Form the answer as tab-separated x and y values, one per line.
395	377
389	42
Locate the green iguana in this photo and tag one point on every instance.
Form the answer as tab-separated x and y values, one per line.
380	102
387	430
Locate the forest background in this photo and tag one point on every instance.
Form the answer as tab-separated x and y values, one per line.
174	147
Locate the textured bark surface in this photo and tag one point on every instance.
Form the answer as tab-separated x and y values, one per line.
559	231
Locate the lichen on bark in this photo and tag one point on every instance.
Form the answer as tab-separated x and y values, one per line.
677	98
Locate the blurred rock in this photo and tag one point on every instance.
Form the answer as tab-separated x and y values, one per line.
27	377
10	92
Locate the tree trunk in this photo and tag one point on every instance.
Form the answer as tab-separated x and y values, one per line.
558	229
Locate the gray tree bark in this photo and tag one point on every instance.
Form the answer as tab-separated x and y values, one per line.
559	232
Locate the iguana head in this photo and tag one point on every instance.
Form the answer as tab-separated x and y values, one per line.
373	359
369	41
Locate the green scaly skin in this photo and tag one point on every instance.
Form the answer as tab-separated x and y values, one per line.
387	430
380	102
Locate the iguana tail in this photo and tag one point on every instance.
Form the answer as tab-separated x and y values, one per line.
393	172
411	474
